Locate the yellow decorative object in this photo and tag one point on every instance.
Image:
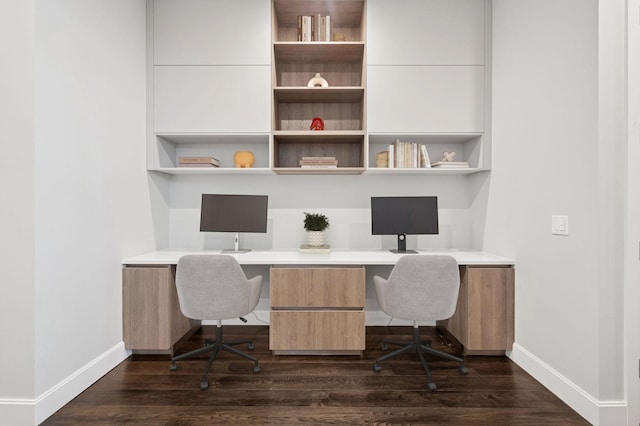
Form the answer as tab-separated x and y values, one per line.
244	159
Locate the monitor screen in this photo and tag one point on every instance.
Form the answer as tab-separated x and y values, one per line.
404	215
233	213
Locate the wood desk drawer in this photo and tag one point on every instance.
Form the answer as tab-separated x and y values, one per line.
152	319
317	287
317	330
484	319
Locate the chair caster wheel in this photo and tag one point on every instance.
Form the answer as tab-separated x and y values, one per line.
251	346
173	366
204	385
431	386
377	368
383	347
256	369
462	370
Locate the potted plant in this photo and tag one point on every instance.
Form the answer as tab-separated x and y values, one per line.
315	225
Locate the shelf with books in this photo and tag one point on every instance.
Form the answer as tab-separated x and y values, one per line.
338	107
467	147
170	148
290	148
346	18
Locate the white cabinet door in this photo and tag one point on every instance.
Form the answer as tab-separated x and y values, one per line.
212	99
425	32
211	32
425	99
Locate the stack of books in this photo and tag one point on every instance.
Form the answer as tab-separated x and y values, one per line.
450	164
198	162
318	163
407	155
305	248
314	28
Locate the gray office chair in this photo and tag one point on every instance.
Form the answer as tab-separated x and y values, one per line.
419	288
214	287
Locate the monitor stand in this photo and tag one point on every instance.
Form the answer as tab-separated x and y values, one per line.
236	249
402	245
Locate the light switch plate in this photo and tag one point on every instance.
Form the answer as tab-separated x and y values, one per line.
559	225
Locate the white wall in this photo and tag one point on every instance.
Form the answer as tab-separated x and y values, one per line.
552	157
91	192
17	305
632	289
345	200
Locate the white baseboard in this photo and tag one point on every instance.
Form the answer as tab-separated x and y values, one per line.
594	411
17	412
34	411
56	397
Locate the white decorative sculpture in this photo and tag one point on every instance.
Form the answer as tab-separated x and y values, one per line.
448	156
317	81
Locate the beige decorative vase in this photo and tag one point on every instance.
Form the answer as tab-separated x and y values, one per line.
315	238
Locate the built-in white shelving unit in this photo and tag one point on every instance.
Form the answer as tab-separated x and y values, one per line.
418	73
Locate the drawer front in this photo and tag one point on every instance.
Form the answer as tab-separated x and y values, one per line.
317	287
152	319
317	330
489	293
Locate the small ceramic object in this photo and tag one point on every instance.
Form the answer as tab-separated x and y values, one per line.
317	81
448	156
317	124
244	159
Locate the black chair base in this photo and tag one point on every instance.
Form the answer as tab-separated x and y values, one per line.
421	348
214	347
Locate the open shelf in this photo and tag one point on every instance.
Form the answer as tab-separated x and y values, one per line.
340	105
214	171
467	146
346	17
170	146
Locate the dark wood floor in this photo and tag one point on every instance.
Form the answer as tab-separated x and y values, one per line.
315	390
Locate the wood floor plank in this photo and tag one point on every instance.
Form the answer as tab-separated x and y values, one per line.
315	389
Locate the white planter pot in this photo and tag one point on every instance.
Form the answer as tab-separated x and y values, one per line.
315	238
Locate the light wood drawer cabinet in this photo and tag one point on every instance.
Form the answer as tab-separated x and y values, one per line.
484	320
317	310
152	320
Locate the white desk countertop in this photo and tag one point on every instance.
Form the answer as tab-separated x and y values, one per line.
335	257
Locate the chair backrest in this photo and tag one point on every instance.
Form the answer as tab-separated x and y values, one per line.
212	287
423	288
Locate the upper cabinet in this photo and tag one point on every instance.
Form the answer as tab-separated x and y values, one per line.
441	99
211	32
428	80
426	32
211	99
209	84
322	123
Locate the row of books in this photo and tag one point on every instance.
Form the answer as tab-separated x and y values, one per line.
198	162
412	155
314	28
318	162
407	155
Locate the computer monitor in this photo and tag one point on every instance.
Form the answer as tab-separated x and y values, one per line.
233	213
404	215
